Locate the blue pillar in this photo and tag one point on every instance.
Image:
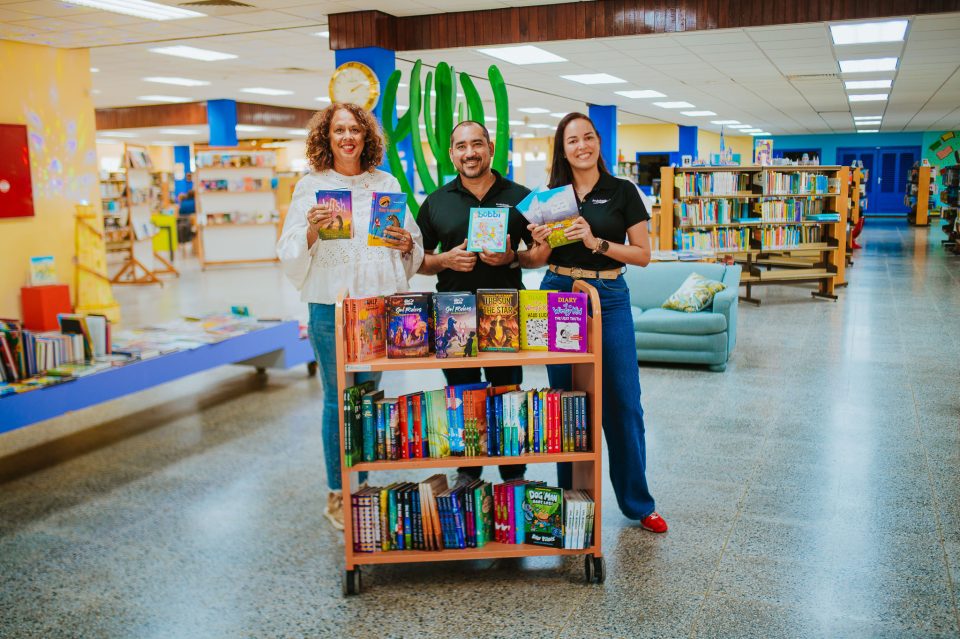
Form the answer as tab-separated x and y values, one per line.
509	175
222	121
605	119
688	141
181	155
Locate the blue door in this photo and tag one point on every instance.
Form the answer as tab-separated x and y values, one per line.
887	178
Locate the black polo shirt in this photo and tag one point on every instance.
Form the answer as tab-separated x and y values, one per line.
444	219
613	206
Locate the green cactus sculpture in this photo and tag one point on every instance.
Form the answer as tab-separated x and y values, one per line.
439	118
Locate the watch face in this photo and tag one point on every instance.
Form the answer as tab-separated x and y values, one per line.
355	83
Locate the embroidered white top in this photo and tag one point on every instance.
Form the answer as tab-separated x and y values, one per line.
321	271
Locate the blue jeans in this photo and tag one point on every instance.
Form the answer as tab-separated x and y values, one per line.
622	412
323	338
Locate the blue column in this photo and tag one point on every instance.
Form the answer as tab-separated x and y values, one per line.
688	141
222	120
605	119
181	155
509	175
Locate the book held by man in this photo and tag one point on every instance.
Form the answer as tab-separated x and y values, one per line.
488	230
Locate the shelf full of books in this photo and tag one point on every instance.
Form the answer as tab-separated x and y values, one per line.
950	200
921	185
469	425
793	218
237	213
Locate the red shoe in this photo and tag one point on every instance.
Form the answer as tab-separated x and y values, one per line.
654	523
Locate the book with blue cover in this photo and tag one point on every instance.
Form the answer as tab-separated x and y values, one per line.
340	226
387	209
556	208
488	230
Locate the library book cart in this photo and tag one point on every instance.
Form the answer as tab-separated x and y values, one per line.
587	466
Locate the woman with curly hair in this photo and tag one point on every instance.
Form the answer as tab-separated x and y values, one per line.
344	147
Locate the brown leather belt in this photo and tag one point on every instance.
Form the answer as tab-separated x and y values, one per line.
578	273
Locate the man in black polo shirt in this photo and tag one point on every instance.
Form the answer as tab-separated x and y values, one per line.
444	219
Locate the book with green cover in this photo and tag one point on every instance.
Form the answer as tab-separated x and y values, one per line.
544	516
483	512
353	422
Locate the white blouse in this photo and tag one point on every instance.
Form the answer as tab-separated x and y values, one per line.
330	266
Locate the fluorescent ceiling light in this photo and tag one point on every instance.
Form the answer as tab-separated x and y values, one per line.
868	84
645	93
760	133
515	122
117	134
323	99
489	118
541	126
727	122
868	65
403	84
322	34
673	105
867	117
594	78
559	114
866	32
249	128
697	114
140	9
164	143
868	130
527	135
533	110
163	98
94	70
194	53
524	54
754	130
180	82
297	131
181	131
867	97
740	126
266	91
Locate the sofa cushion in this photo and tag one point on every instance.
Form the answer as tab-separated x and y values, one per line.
661	320
650	286
695	294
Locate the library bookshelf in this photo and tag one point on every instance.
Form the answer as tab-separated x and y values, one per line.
587	466
822	261
920	185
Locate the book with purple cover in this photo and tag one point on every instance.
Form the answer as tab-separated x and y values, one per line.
567	322
340	226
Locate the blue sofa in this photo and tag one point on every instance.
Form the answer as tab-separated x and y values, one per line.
707	337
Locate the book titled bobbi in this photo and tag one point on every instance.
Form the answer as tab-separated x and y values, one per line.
567	322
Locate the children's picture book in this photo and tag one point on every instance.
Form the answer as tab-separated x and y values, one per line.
488	229
366	332
42	270
556	208
455	324
567	322
340	226
543	506
533	320
408	325
497	320
387	209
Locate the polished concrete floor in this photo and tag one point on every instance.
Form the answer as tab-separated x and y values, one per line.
812	490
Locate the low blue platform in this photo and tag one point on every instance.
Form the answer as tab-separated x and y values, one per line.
275	346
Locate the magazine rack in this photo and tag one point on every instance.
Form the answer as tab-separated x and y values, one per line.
587	466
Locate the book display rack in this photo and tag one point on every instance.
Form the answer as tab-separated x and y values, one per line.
587	466
950	199
857	191
237	219
921	184
784	224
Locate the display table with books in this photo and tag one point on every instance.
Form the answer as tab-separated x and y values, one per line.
264	345
469	425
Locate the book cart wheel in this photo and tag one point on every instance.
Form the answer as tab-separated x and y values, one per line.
600	569
588	568
312	369
351	582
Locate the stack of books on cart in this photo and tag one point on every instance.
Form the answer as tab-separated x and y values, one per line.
431	516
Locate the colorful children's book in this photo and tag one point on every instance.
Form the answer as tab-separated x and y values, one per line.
387	209
455	321
488	229
556	208
533	320
408	326
567	322
497	320
340	226
42	271
365	327
545	525
353	422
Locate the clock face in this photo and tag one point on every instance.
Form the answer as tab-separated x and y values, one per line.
356	83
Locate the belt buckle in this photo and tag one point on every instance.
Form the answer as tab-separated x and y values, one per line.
576	273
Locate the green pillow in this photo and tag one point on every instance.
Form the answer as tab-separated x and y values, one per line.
695	294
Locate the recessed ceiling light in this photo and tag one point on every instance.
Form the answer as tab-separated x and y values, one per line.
164	143
181	131
754	130
96	91
727	122
249	128
515	122
558	114
489	118
524	54
533	110
94	70
297	132
323	99
194	53
117	134
181	82
868	65
538	125
673	105
403	84
866	32
756	133
163	98
740	126
868	84
645	93
527	135
322	34
594	78
266	91
402	107
140	9
868	130
697	114
868	97
867	117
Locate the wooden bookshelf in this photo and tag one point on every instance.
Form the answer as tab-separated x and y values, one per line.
822	262
587	466
919	183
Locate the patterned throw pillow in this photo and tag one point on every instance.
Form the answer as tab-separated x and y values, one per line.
695	294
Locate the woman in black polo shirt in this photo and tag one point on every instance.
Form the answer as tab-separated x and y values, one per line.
611	212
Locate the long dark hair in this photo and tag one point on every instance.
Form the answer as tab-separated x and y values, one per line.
560	172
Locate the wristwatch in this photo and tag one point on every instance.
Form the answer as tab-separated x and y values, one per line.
602	246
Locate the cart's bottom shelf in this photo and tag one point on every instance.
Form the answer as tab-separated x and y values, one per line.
459	462
492	550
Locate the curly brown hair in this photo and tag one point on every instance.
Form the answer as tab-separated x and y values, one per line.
318	139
